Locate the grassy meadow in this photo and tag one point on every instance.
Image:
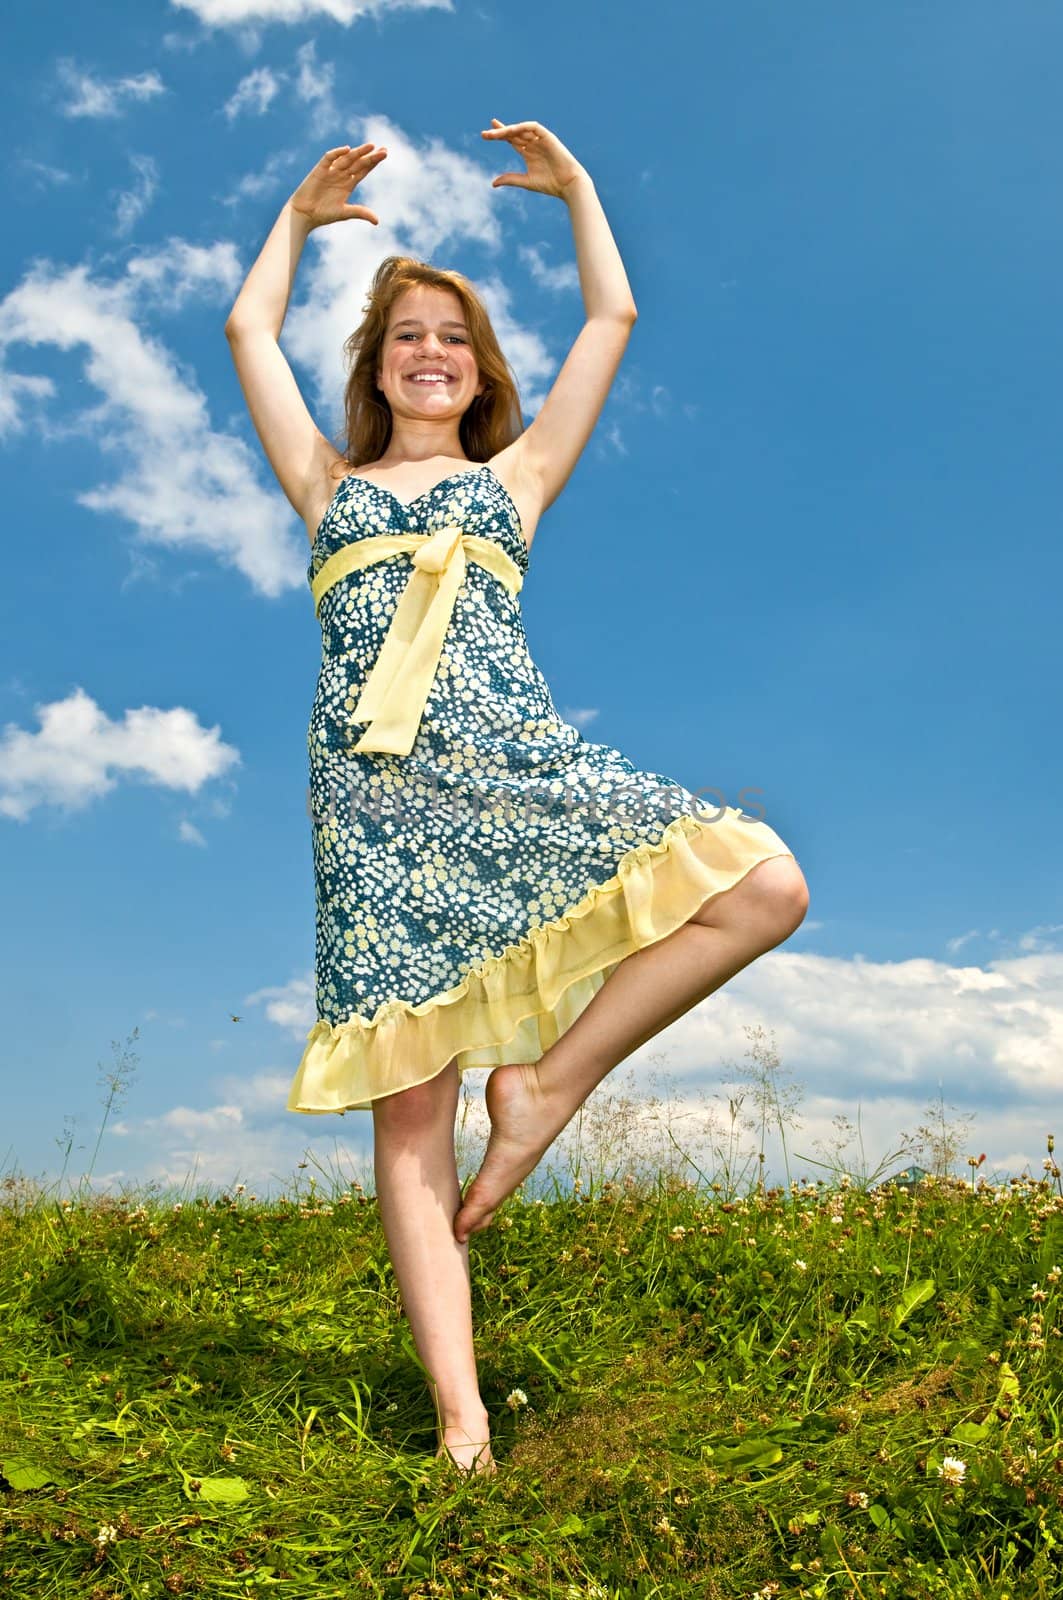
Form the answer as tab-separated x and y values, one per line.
699	1384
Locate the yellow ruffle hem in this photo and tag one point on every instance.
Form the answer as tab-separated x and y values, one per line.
514	1006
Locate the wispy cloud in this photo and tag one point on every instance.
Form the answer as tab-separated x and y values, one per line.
563	276
83	95
132	203
254	94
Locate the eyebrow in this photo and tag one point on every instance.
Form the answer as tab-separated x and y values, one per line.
415	322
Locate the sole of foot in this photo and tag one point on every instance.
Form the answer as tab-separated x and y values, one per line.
520	1136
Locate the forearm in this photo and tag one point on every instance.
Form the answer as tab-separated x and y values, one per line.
263	299
603	281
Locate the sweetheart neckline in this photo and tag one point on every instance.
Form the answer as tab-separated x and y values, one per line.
408	505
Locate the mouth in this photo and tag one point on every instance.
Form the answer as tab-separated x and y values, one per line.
427	380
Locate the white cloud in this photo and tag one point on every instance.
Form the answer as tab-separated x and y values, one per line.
46	172
277	169
235	13
183	1119
313	86
188	833
873	1041
563	276
179	482
132	203
290	1006
86	96
254	93
581	718
79	753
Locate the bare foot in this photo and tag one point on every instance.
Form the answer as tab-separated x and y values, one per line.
469	1453
523	1126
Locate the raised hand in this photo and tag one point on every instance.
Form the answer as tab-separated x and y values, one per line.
322	195
551	168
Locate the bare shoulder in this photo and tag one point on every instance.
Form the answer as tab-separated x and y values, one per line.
514	471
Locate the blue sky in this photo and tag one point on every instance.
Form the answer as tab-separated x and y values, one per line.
812	551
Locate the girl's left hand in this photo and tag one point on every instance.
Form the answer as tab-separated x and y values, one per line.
551	168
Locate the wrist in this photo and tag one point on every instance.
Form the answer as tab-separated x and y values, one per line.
300	218
579	183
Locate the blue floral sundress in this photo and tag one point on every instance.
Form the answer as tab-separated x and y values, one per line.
474	894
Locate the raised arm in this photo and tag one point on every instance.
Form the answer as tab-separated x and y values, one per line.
297	450
552	444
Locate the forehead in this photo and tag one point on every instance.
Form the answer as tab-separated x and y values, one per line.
427	303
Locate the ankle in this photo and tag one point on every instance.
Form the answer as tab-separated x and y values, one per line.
472	1420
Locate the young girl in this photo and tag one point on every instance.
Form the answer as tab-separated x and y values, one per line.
493	890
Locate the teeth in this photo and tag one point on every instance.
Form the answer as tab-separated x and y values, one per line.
418	379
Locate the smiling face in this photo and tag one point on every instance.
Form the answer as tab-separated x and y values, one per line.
427	333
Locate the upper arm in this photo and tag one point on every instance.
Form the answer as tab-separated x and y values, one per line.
296	448
552	444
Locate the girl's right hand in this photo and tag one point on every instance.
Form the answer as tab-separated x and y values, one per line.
322	195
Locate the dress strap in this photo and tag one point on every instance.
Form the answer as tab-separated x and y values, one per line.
396	691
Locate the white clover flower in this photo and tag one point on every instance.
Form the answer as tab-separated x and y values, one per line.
240	1187
107	1535
952	1469
516	1398
861	1499
802	1266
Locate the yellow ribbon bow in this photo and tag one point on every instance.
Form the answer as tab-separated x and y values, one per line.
396	691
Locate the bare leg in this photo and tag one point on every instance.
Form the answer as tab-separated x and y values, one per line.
418	1193
529	1104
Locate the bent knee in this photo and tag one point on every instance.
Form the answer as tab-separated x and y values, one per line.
791	888
773	896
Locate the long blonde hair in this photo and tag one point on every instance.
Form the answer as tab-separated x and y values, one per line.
491	422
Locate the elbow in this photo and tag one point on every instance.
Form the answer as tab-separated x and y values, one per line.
624	316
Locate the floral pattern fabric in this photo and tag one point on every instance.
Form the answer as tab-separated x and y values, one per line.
502	817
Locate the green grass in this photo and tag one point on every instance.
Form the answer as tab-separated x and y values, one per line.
694	1391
